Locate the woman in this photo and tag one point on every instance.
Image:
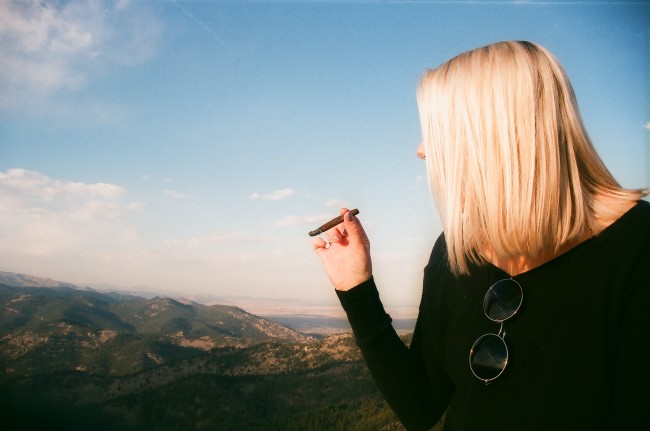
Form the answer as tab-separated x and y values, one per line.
536	298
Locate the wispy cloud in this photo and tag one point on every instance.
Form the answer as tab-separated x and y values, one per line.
292	220
54	46
55	227
178	195
38	187
336	203
45	216
274	196
647	125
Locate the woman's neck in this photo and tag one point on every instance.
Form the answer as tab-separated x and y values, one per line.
612	209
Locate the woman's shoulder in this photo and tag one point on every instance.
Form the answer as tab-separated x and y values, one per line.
438	255
641	209
612	211
622	247
634	224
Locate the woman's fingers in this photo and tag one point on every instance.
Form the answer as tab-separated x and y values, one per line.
345	253
319	243
333	236
350	229
336	234
354	230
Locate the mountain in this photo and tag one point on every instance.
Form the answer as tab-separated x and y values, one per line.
24	280
111	334
77	359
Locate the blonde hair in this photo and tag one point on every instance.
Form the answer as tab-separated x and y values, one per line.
509	162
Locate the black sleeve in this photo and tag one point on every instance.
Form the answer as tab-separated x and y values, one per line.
398	371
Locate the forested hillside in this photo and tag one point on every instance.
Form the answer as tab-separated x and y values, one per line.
80	359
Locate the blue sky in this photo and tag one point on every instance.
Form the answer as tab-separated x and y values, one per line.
189	146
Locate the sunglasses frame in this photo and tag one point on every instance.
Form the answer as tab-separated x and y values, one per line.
501	335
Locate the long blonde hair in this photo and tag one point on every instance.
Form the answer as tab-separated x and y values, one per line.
509	161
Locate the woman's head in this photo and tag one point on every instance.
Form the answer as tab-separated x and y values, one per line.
508	158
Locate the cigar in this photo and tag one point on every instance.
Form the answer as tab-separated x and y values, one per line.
330	224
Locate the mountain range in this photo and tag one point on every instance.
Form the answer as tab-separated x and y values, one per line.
73	358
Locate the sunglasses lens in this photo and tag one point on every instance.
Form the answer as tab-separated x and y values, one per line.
502	300
488	357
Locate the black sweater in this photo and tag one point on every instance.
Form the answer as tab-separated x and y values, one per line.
579	347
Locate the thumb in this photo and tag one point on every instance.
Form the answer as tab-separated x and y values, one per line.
354	228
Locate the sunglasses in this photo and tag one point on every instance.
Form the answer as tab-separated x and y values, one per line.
488	356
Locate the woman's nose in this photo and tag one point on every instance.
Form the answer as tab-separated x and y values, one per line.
420	151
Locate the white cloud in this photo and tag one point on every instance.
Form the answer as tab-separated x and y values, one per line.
293	220
44	216
178	195
86	233
54	46
274	196
647	125
214	239
38	187
336	203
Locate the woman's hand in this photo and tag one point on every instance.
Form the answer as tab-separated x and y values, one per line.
346	257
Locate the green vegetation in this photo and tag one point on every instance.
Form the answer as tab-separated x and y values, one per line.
75	360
